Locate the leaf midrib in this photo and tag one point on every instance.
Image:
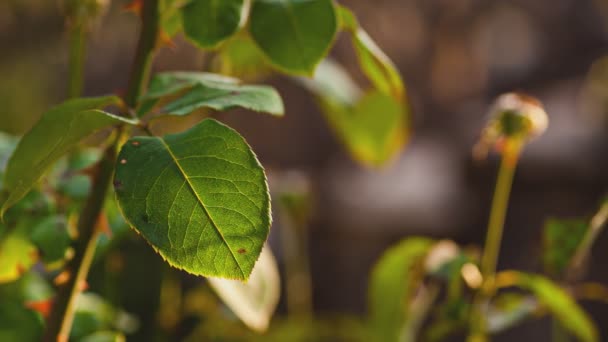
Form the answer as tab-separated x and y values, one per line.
202	204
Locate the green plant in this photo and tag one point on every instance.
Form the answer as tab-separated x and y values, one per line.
198	197
428	290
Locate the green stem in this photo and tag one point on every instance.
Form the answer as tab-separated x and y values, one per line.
145	52
491	249
77	58
62	316
596	225
498	213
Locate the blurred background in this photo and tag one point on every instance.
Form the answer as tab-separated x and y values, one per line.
456	57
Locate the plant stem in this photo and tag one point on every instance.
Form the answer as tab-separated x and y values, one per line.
62	315
491	248
76	63
498	212
145	52
596	225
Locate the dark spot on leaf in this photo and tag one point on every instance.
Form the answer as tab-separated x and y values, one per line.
242	251
135	143
117	185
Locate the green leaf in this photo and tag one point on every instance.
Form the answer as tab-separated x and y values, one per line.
170	17
52	238
199	197
203	90
373	126
17	253
561	238
104	336
373	61
560	304
18	323
374	130
56	133
240	57
295	35
209	22
253	302
94	313
392	286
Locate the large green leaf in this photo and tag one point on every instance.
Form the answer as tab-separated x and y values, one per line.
58	131
253	302
204	90
199	197
392	286
295	35
373	61
559	303
210	22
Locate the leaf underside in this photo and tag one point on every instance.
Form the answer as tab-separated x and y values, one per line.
200	198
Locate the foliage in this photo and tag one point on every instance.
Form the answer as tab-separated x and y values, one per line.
200	197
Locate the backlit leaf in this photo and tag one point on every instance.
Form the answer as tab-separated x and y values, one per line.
56	133
392	286
373	61
17	252
199	197
203	90
295	35
374	130
372	126
253	302
240	57
559	303
209	22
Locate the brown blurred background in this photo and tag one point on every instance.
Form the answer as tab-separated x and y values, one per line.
456	57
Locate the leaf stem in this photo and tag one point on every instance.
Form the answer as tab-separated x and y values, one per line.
596	225
491	249
62	315
77	60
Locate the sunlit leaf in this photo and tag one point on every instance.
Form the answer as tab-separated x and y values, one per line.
373	61
203	90
240	57
199	197
559	303
372	126
392	286
374	130
294	35
17	252
56	133
560	241
253	302
210	22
